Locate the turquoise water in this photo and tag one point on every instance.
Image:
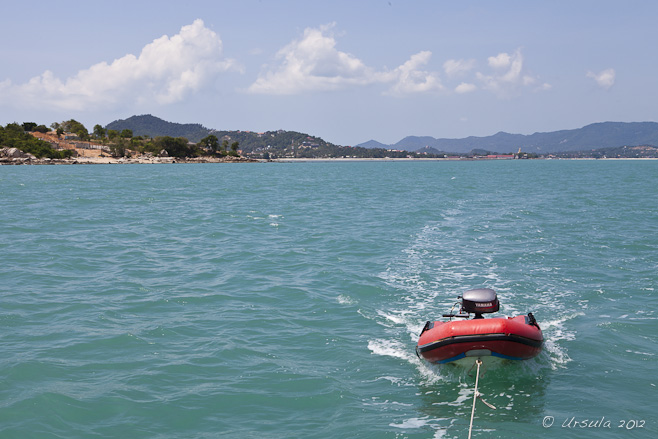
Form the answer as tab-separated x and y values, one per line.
284	300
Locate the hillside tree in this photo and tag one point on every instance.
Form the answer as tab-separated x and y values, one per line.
99	131
210	142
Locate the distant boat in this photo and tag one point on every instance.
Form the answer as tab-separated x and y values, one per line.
464	341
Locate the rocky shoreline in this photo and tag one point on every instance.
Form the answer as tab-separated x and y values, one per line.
14	156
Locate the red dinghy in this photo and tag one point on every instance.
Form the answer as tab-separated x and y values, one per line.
511	338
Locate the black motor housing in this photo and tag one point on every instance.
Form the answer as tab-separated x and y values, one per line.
480	301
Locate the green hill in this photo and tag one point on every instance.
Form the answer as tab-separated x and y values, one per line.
151	126
272	144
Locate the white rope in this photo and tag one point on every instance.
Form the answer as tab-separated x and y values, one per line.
477	395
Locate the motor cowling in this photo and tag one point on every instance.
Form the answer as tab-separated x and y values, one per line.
480	301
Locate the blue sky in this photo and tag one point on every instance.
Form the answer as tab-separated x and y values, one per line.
347	71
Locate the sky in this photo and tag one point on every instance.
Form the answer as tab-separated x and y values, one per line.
346	71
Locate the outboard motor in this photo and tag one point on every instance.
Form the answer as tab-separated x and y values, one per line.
479	301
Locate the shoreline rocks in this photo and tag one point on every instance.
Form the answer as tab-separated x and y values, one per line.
14	156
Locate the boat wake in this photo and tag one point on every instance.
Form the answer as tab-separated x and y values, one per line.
429	276
442	261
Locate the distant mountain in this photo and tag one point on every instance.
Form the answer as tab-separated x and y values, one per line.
594	136
605	137
373	144
147	125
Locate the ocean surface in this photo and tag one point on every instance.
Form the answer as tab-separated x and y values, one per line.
284	300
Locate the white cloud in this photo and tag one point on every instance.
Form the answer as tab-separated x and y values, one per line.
508	77
604	79
410	79
165	71
313	63
310	64
500	61
458	67
465	87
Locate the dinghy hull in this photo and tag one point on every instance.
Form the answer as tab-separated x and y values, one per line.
513	338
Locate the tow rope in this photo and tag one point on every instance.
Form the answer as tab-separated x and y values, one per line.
477	395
